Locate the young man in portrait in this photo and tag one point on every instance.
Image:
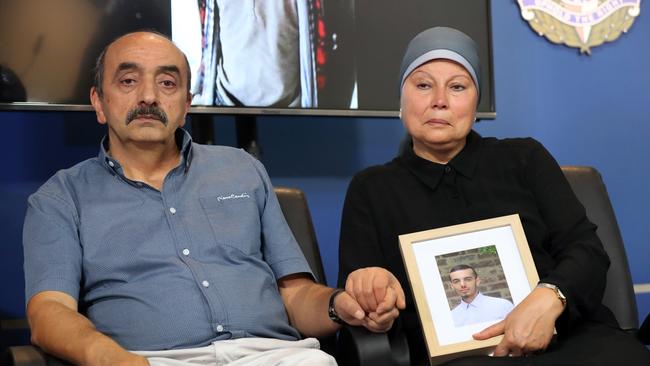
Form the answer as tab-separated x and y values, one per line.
474	307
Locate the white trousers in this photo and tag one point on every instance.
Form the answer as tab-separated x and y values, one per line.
245	352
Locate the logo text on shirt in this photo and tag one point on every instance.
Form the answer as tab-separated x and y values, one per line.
233	196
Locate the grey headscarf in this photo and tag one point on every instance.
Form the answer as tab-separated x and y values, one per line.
442	43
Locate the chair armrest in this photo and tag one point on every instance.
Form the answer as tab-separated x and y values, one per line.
24	356
644	331
30	356
359	346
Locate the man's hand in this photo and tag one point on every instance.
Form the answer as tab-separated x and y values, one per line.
372	298
529	326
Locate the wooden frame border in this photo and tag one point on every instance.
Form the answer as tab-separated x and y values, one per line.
443	352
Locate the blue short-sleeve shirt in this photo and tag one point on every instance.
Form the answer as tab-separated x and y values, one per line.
182	267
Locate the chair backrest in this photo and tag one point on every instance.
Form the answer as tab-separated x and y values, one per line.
619	292
294	206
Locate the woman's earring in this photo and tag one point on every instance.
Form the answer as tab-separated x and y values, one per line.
400	113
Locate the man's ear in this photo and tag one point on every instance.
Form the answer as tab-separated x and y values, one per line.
478	280
96	101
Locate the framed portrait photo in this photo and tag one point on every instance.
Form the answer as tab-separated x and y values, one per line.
465	278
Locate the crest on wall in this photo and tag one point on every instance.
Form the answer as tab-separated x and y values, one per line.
581	24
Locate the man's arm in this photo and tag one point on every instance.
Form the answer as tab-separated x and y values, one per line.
307	302
59	329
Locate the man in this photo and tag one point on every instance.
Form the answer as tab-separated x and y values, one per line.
175	251
249	53
474	307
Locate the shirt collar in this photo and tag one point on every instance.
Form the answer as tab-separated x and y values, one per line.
478	300
431	173
183	140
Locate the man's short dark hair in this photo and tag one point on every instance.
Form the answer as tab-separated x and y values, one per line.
98	79
460	267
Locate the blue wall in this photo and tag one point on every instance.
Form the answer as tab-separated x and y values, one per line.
587	110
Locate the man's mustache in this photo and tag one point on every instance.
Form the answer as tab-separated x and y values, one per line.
150	111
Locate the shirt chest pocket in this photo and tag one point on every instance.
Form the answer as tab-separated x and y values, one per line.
234	221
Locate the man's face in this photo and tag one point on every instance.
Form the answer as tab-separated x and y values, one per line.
465	283
145	96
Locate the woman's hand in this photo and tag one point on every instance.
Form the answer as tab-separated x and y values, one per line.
529	326
351	312
375	289
379	295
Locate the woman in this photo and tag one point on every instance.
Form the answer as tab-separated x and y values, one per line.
451	175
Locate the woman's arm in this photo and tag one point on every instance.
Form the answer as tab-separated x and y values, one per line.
581	262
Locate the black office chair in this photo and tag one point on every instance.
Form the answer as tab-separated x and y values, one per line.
294	206
354	347
619	297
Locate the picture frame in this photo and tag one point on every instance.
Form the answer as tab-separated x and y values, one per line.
499	258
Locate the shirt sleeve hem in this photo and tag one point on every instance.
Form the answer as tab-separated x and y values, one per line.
64	285
290	266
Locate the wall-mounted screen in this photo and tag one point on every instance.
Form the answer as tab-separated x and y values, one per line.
316	57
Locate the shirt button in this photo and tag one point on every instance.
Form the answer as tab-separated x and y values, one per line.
205	283
219	328
172	210
111	164
447	169
186	252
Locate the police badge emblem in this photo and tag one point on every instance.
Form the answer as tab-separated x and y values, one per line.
581	24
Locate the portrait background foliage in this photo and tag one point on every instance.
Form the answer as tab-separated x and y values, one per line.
485	260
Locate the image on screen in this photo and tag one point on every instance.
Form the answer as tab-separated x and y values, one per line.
292	55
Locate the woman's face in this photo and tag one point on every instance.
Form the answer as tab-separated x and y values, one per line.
438	106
